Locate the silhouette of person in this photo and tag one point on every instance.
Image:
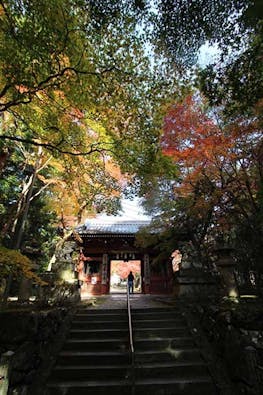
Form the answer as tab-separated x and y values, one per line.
130	282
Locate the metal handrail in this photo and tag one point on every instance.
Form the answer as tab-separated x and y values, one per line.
130	320
131	340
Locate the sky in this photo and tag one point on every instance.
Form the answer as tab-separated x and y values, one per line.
132	211
208	54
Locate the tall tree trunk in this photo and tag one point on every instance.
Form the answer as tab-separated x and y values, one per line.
20	225
24	284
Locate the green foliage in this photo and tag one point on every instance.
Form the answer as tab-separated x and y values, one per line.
238	85
60	69
38	230
234	81
183	27
80	97
247	239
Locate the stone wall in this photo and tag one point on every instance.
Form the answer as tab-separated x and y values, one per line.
35	337
195	283
235	329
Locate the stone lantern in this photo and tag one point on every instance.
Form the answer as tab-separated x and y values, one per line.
226	267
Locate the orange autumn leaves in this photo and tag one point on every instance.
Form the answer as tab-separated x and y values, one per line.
191	138
196	143
218	162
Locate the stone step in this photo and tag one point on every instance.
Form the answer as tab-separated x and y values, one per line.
116	387
100	317
95	345
144	386
175	386
96	359
90	344
160	332
179	355
172	323
157	316
188	371
99	324
82	357
93	358
163	344
98	333
146	310
88	372
91	311
190	355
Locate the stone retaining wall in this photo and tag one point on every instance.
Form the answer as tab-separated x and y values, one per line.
236	332
35	337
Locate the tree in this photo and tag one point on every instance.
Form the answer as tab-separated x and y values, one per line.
234	28
237	85
76	93
218	182
182	27
71	69
16	263
76	90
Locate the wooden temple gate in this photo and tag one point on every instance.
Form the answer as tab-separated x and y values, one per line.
104	243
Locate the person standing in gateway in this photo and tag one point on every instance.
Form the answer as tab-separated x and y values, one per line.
130	282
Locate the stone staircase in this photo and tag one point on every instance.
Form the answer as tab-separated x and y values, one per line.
96	359
167	360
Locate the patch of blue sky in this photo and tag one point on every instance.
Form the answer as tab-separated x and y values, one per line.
208	54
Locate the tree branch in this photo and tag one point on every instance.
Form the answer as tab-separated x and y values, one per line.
46	83
94	147
4	90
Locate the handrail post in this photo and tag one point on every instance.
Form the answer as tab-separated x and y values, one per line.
131	341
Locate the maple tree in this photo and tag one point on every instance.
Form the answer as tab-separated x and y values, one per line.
71	99
70	87
81	104
14	261
72	69
221	184
69	185
218	183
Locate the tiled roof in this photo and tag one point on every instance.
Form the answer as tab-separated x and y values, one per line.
93	226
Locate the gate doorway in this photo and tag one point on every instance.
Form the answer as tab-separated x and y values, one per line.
119	271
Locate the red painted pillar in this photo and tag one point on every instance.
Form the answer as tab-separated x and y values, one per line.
105	274
146	276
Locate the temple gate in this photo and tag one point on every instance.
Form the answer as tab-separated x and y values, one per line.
114	241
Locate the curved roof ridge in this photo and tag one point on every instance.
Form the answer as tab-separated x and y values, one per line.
117	226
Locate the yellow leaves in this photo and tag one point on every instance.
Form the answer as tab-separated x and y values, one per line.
13	257
64	60
96	130
59	94
50	180
113	170
12	261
